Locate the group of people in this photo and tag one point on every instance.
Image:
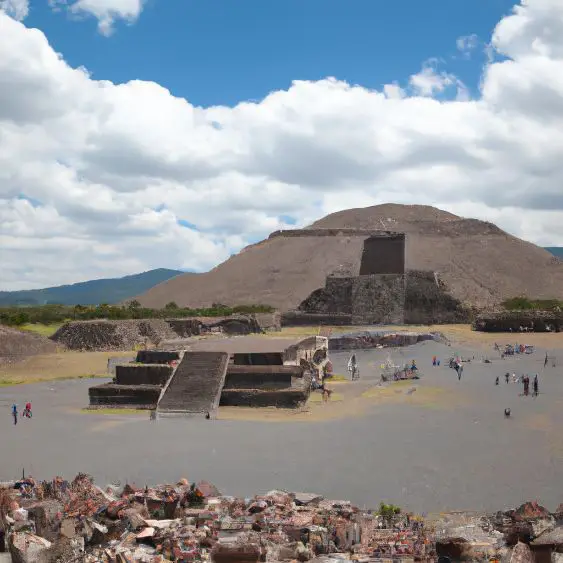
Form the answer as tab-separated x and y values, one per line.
525	380
26	412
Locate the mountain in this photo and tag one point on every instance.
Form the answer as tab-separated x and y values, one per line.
555	250
479	263
92	292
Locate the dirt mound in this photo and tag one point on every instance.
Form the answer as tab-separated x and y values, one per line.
16	345
112	335
479	263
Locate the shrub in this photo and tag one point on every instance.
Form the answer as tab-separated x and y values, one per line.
49	314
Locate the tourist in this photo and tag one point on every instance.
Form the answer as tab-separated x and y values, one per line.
27	411
507	377
434	360
15	413
352	366
536	385
526	381
497	380
545	361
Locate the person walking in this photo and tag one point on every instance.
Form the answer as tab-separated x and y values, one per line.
526	385
15	413
507	377
27	411
497	380
536	385
352	366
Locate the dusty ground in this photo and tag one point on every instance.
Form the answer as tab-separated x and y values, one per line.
61	365
445	445
461	334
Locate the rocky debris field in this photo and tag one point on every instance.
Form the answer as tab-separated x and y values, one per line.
16	345
77	521
366	339
105	335
112	335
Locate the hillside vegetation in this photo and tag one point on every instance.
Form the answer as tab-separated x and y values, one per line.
30	317
94	292
555	250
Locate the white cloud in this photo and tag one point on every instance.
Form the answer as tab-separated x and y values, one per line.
467	44
98	179
18	9
430	82
105	11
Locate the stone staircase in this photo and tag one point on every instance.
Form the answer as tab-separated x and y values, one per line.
195	386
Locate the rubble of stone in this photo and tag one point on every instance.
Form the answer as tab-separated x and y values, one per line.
17	345
519	321
106	335
111	335
366	339
61	521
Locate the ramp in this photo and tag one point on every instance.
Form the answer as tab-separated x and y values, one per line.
196	385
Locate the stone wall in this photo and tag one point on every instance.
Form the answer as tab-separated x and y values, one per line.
110	394
283	398
418	297
334	233
372	299
146	374
261	377
378	299
383	255
156	357
258	359
185	327
334	298
511	321
269	322
427	301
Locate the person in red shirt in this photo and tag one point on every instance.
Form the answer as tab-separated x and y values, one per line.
27	411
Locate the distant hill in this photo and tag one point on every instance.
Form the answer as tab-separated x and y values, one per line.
479	263
555	250
94	292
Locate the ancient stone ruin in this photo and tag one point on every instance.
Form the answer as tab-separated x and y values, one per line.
126	334
179	383
520	321
382	292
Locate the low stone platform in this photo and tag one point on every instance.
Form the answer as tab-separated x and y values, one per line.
366	339
124	395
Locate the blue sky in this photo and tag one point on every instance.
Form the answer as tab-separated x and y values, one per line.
226	51
92	177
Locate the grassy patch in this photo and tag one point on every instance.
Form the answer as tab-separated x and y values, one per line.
62	365
115	411
39	328
337	377
9	381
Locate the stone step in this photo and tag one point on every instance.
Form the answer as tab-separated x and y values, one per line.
196	384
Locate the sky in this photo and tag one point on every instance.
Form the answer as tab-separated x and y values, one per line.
171	133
